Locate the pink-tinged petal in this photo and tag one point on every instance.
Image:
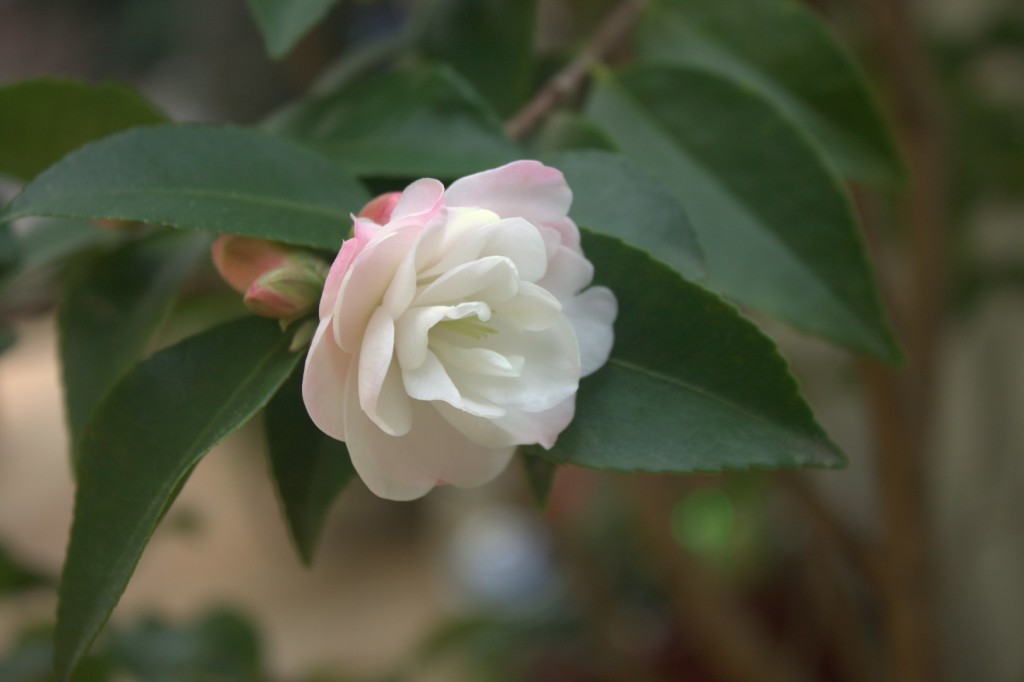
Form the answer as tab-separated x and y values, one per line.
525	189
323	382
422	199
350	248
432	453
241	260
365	284
381	393
568	272
379	209
592	314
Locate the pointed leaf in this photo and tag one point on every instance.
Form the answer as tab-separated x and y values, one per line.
110	309
309	468
690	385
284	22
785	53
540	472
42	120
490	42
614	195
424	121
205	178
139	448
776	227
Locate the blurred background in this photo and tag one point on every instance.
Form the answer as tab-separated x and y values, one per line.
911	560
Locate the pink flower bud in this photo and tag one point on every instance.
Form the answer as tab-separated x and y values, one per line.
241	260
379	208
288	291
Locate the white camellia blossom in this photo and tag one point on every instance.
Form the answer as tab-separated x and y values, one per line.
454	326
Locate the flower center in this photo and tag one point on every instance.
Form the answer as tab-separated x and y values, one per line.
470	326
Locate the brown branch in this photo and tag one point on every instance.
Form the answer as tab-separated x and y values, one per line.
567	81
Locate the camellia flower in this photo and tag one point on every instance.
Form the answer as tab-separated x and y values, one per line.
454	326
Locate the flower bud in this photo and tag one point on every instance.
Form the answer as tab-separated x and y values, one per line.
379	208
241	260
288	291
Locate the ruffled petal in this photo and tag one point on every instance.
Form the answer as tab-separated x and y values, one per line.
323	382
432	453
381	393
592	314
525	189
421	199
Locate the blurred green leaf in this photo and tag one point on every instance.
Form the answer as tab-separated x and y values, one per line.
566	130
111	306
41	120
219	179
284	22
9	254
7	338
614	195
415	122
540	472
690	385
776	226
309	468
139	448
15	577
490	42
49	241
783	51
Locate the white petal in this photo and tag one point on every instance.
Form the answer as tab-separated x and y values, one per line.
431	381
516	427
432	453
421	198
381	393
323	382
568	272
492	279
514	238
592	314
531	309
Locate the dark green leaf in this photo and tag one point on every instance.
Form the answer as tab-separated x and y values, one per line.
490	42
284	22
138	449
48	242
775	225
309	468
783	51
206	178
42	120
9	254
690	386
613	195
540	472
415	122
565	130
111	307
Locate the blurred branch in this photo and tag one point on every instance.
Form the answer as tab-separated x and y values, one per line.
567	81
901	401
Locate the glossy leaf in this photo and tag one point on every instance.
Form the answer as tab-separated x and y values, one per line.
111	307
309	468
218	179
784	52
690	385
776	226
540	472
138	450
42	120
490	42
614	195
50	241
284	22
423	121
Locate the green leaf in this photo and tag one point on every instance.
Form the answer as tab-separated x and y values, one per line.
690	385
566	130
111	307
50	241
9	254
15	577
783	51
309	468
776	226
139	448
616	196
218	179
490	42
42	120
540	472
422	121
284	22
7	338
